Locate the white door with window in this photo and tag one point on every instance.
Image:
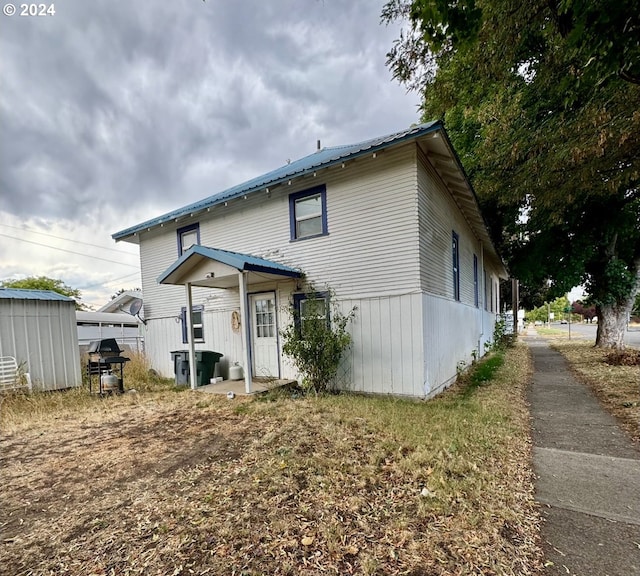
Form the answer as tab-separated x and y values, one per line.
264	335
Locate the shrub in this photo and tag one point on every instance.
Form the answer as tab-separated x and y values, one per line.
317	345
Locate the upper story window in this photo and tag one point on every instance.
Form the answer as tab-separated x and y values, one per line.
308	213
455	250
187	237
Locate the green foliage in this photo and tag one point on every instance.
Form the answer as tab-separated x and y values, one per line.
45	283
316	343
541	102
501	338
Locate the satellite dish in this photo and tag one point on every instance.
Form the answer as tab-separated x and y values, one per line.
135	307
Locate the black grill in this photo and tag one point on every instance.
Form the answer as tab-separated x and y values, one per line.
105	358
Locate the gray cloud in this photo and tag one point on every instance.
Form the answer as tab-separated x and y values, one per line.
147	105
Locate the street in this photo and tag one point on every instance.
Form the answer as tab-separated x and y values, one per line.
588	331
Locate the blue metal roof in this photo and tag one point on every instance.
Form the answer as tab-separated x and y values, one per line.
28	294
243	262
320	159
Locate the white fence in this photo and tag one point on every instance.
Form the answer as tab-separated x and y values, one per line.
10	377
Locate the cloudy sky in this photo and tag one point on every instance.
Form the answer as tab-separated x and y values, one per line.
113	111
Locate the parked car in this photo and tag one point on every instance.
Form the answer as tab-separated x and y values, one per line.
538	323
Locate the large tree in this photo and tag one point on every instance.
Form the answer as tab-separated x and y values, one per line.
542	101
46	283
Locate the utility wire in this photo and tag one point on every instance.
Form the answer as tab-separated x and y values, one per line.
70	251
67	239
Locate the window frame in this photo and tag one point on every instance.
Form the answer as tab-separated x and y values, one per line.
476	286
299	298
293	221
455	253
180	232
197	308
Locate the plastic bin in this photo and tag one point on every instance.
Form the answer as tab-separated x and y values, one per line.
206	361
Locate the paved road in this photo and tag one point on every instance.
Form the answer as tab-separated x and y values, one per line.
588	331
587	473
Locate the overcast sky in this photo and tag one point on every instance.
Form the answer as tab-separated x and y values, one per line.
115	111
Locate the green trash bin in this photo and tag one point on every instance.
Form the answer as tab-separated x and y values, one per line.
206	361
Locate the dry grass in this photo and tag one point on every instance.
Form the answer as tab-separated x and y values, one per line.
616	386
171	483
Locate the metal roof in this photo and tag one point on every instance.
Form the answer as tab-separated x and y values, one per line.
320	159
28	294
243	262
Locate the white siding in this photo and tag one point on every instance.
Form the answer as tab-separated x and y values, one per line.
371	245
439	218
42	334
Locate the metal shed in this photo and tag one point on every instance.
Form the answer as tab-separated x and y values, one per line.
38	328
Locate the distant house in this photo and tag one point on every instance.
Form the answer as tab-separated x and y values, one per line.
391	225
119	318
125	328
38	329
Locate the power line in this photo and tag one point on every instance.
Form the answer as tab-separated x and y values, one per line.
67	239
69	251
109	281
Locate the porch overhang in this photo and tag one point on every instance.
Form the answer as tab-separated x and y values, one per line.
215	268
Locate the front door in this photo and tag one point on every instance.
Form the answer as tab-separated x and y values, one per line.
264	335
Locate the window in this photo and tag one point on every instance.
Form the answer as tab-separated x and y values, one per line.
310	309
486	299
455	249
198	325
308	213
187	237
475	282
265	310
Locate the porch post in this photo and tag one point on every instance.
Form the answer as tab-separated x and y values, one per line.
245	323
192	348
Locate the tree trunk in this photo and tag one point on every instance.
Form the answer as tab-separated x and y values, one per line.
612	324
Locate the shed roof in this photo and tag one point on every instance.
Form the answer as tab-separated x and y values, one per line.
28	294
320	159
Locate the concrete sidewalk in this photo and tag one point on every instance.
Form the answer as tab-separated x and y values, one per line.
588	475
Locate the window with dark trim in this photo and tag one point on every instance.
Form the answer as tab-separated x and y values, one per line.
187	237
486	299
476	287
308	213
309	309
197	315
455	253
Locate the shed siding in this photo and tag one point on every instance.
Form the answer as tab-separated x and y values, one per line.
43	334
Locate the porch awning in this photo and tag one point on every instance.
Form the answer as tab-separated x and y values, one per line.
215	268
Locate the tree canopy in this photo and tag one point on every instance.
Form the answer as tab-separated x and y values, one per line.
46	283
542	102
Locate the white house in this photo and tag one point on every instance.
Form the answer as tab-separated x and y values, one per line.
390	225
38	329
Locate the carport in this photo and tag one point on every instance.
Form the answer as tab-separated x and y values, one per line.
215	268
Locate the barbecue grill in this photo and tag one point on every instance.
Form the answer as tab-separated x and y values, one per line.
105	362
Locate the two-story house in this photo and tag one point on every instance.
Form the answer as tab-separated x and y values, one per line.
390	225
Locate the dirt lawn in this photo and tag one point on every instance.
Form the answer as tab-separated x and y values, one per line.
190	483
